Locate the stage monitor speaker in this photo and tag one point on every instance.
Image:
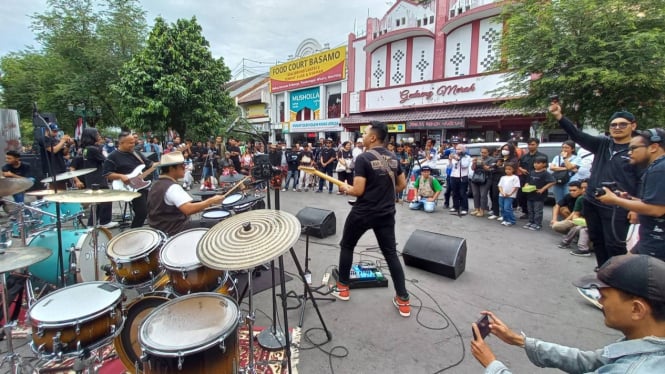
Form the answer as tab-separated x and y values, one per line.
436	253
319	222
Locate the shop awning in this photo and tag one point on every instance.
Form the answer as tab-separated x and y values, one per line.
448	112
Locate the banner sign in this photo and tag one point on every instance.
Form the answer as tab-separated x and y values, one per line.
307	98
457	123
316	69
316	125
392	127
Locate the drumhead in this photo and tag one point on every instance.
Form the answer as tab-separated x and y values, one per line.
85	252
75	303
134	243
188	324
232	199
179	252
217	214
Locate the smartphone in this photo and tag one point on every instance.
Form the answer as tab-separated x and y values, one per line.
483	327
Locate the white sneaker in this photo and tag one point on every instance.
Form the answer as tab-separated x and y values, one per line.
283	189
492	217
452	210
463	212
111	225
500	218
294	190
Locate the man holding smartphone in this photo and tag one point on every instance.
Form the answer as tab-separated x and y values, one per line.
632	289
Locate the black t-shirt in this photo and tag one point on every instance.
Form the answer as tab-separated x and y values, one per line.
379	196
124	162
292	159
567	201
23	169
56	159
526	161
652	229
93	158
539	179
235	159
326	154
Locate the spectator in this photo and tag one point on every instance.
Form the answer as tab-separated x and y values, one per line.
633	299
542	181
508	186
482	166
189	167
578	230
345	157
327	156
459	179
564	208
307	160
607	226
428	188
524	169
292	161
565	163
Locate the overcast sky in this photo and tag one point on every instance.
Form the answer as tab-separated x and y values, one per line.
260	30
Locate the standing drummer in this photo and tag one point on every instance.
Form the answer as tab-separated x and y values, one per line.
169	205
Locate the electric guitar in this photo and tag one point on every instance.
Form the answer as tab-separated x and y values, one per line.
315	171
136	182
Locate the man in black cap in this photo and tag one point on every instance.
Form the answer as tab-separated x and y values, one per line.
55	148
608	226
632	289
646	150
428	188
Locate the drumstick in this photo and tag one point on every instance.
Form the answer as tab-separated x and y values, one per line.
311	170
234	187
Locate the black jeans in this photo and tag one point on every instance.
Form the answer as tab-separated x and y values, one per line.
449	191
384	230
104	213
328	169
494	194
521	196
460	186
599	223
140	208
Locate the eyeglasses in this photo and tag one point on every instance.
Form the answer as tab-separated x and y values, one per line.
634	147
620	125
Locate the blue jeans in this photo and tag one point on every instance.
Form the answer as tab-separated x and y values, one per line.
292	175
559	190
19	197
506	205
422	203
208	171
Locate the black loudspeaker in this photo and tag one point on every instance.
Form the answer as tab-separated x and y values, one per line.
318	222
35	169
436	253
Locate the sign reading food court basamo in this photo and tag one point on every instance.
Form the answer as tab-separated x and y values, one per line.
316	69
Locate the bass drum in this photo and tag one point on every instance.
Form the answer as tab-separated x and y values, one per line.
127	342
47	270
85	249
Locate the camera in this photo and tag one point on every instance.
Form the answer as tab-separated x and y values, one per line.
612	186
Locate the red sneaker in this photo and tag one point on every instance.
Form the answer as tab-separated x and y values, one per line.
341	292
403	306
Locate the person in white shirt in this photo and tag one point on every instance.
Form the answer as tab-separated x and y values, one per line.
508	186
459	179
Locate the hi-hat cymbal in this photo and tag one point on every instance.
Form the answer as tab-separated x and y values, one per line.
68	175
20	257
247	240
92	196
40	193
231	178
10	186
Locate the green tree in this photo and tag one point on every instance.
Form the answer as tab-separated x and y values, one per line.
599	56
83	46
175	82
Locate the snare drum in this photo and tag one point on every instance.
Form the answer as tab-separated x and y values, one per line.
249	203
210	217
186	272
134	255
76	318
230	201
192	334
127	342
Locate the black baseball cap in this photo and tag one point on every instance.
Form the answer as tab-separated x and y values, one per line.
426	168
638	275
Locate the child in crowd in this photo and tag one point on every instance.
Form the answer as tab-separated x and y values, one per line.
542	180
508	186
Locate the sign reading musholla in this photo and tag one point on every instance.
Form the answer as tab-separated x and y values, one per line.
443	90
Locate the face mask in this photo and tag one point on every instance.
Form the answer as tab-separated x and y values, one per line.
505	152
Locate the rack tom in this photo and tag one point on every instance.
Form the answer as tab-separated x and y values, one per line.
134	255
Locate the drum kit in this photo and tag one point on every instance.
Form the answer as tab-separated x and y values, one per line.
184	317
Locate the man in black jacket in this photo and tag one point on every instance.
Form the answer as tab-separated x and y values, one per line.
607	225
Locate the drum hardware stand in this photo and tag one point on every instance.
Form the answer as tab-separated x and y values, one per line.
307	281
14	359
272	339
85	362
249	321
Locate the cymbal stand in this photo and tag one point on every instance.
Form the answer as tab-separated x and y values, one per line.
249	321
14	359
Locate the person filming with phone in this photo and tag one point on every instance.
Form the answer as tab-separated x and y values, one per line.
632	289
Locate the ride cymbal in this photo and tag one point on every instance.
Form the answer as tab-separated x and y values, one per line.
20	257
11	186
41	193
68	175
247	240
92	196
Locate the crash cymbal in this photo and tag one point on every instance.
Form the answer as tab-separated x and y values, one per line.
231	178
10	186
40	193
92	196
68	175
20	257
247	240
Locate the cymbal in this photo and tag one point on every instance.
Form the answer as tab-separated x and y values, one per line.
231	178
68	175
92	196
247	240
20	257
10	186
40	193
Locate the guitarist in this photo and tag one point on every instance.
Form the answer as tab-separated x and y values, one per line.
123	161
169	205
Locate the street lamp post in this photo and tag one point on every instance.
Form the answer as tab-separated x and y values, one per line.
81	111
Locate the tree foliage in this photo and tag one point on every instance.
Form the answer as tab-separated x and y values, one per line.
175	82
83	46
599	56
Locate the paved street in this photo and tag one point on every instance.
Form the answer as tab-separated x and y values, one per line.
518	274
